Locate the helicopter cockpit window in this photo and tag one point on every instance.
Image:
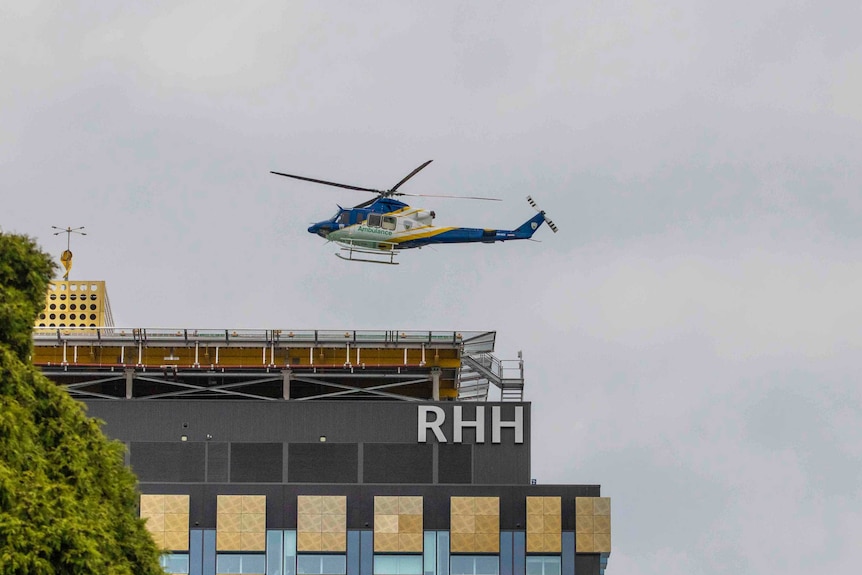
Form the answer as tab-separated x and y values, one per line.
374	220
389	222
344	218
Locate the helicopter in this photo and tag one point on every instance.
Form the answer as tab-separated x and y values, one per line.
374	231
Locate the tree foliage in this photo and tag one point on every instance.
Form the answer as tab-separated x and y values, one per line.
67	502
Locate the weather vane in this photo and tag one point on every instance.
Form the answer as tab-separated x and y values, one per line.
66	257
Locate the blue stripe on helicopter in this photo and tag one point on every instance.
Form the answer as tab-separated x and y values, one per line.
467	235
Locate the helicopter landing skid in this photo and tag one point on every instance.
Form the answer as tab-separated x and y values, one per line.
384	256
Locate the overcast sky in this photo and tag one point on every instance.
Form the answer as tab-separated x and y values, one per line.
691	336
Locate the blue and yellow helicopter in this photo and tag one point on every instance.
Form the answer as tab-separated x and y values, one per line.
374	231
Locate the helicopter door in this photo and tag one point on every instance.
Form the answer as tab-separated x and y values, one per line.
374	220
389	222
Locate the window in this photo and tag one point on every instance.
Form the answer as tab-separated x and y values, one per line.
474	565
543	565
175	562
397	565
374	220
321	565
240	563
389	222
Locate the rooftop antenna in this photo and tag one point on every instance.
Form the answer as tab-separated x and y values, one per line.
66	257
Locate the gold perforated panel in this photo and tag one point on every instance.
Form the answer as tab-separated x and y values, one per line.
593	524
474	524
241	523
544	533
75	304
321	523
167	520
397	524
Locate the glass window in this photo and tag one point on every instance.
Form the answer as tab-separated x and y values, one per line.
240	563
175	562
474	565
321	565
274	552
430	553
389	222
374	220
442	553
290	553
344	218
543	565
397	565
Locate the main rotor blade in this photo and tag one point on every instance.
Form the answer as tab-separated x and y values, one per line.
410	175
337	185
450	197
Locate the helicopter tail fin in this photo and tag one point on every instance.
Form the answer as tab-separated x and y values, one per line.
528	228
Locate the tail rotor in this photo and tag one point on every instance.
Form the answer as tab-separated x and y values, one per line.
547	219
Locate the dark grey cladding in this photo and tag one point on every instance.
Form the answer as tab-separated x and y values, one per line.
235	441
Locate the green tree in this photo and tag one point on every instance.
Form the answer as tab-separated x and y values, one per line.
67	502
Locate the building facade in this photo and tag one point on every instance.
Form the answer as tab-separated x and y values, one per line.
328	453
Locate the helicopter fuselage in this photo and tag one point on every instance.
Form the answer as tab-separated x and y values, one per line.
388	224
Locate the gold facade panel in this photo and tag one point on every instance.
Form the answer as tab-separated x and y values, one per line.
584	506
487	506
386	542
385	524
601	506
535	524
552	543
308	504
410	505
602	524
253	522
462	542
152	504
384	505
584	543
333	523
155	522
553	523
308	542
177	540
487	523
159	539
177	504
177	522
228	541
602	542
253	541
535	505
552	505
333	505
410	524
308	523
462	505
410	542
229	522
584	524
333	542
535	542
254	504
462	524
229	503
487	543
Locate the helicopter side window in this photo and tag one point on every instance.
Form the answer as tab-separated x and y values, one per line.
344	218
389	222
374	220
